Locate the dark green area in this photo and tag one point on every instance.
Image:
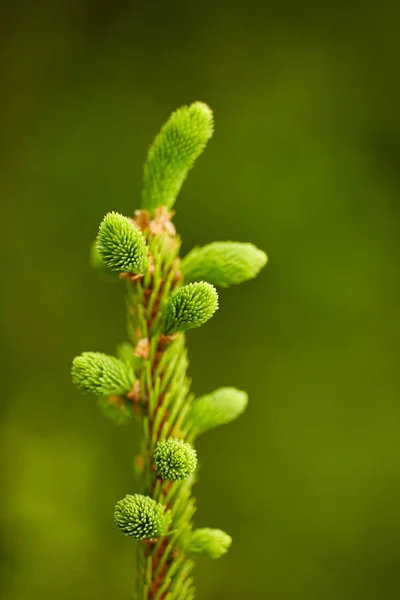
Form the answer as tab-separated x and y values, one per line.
305	164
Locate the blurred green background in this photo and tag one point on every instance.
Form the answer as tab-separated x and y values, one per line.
304	163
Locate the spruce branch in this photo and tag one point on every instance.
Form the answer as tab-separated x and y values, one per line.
147	381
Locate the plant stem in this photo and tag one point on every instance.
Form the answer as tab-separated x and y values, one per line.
163	569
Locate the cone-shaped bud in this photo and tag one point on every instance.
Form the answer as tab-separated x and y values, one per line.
190	306
174	459
102	270
221	406
121	246
141	517
223	263
101	374
173	153
210	543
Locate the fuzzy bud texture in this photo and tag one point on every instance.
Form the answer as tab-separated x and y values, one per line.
221	406
190	306
210	543
141	517
121	246
101	374
173	153
174	459
97	263
223	263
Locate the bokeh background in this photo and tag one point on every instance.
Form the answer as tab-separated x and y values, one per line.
304	163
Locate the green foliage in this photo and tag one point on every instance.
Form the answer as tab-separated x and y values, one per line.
101	374
173	153
210	543
211	410
115	409
121	246
141	517
149	378
174	459
125	353
223	263
190	306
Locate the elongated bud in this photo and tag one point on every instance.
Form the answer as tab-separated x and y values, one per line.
141	517
101	374
174	459
221	406
223	263
190	306
173	153
121	246
210	543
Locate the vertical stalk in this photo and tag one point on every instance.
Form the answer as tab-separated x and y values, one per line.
163	569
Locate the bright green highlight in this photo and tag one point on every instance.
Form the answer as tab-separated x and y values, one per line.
101	374
210	543
173	153
189	307
223	263
121	246
174	459
141	517
218	408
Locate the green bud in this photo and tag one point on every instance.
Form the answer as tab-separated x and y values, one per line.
223	263
121	246
101	374
173	153
141	517
174	459
101	269
221	406
210	543
190	306
95	258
